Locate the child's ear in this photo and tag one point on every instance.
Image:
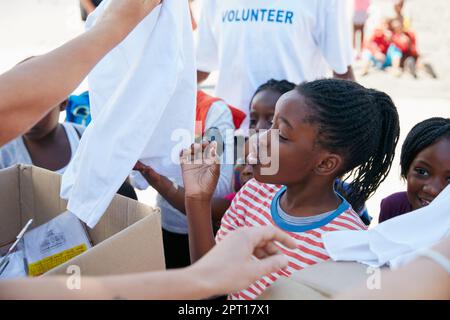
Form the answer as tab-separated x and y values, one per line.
63	105
329	165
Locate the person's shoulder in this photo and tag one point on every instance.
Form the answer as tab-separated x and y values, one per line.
78	128
395	198
394	205
261	189
353	219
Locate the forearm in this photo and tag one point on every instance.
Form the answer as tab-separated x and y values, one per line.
201	235
186	283
30	89
349	75
172	193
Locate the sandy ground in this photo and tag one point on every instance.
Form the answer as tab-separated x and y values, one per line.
32	27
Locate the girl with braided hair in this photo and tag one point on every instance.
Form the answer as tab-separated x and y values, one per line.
326	129
262	104
425	165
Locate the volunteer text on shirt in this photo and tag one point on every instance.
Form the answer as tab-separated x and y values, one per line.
258	15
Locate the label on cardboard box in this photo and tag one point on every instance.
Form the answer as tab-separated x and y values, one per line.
54	243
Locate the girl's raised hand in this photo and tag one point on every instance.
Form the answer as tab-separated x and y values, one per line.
201	170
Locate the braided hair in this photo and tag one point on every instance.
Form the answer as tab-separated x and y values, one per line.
280	86
423	135
358	123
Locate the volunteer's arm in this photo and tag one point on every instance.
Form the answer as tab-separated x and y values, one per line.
204	279
421	279
175	194
202	76
30	89
349	75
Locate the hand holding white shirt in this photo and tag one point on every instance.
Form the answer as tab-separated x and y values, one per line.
141	93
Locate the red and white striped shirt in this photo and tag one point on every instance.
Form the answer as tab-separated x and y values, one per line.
254	206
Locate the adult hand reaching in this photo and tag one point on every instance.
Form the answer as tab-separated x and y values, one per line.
231	265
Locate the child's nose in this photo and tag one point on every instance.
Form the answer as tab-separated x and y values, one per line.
434	187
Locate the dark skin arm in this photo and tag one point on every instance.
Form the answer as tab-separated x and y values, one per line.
200	181
349	75
202	76
175	194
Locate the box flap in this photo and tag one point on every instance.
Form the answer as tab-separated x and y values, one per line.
10	220
320	281
39	195
287	289
139	248
121	213
330	278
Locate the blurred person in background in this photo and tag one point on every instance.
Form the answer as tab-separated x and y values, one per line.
360	16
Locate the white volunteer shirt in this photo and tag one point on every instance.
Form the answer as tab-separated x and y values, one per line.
143	95
252	41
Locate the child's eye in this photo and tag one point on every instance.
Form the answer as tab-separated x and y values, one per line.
282	138
421	171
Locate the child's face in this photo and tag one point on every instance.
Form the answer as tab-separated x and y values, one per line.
300	157
262	109
429	174
47	124
397	26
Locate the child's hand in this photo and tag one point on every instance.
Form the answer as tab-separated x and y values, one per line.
201	170
153	178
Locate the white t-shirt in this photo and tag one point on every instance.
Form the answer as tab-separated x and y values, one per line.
143	95
15	152
253	41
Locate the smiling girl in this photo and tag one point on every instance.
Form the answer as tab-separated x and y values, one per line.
425	164
327	129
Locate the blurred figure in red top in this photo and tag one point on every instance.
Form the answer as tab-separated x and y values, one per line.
405	40
360	17
379	51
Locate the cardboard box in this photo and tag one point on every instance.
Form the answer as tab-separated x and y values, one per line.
127	239
319	282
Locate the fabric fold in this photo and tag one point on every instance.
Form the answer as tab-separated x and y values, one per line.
143	107
396	241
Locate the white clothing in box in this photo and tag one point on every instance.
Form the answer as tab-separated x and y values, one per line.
142	94
396	241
